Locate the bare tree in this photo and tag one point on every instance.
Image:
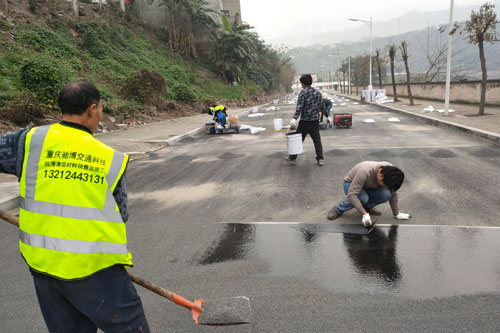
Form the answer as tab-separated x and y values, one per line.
75	7
482	28
377	57
392	55
4	6
435	53
404	54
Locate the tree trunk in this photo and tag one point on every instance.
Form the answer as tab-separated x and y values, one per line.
75	7
4	6
394	92
408	82
379	70
122	5
404	54
343	83
483	79
100	5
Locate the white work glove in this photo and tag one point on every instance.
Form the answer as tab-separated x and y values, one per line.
402	216
293	123
366	220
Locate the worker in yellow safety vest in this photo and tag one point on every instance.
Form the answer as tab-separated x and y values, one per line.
72	219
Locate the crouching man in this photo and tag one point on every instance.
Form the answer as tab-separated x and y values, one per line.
367	185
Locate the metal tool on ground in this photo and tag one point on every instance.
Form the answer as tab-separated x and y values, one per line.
215	312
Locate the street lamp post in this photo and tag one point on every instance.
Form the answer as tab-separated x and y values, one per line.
448	64
349	90
369	24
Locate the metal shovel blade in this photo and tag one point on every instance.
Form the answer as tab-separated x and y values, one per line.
225	311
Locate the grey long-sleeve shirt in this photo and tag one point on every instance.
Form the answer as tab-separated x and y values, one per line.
12	157
309	105
364	176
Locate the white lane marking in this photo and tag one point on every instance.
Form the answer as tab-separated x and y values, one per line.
393	147
379	225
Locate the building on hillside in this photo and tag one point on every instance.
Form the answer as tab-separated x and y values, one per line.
155	16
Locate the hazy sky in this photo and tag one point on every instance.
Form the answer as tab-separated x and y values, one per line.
274	18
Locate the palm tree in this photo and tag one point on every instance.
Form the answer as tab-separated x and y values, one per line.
235	47
182	18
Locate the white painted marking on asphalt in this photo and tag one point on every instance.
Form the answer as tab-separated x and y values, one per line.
378	225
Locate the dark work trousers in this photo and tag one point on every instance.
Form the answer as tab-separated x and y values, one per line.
106	300
312	128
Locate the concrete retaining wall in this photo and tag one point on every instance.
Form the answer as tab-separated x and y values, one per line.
460	92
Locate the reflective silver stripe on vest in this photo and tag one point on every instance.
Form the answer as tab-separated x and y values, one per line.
72	246
36	145
108	213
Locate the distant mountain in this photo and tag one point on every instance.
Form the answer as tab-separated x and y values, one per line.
316	32
465	60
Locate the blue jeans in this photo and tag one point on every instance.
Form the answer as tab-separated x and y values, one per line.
369	198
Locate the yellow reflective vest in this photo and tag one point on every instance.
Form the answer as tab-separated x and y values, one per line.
70	224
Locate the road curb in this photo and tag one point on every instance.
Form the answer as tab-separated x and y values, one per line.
190	134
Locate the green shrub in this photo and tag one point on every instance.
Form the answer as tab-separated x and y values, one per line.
4	25
144	86
33	6
177	73
95	41
186	93
45	77
39	38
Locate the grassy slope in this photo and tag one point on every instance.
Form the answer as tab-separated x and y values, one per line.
103	48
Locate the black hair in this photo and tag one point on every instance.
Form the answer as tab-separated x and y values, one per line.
306	79
393	177
75	97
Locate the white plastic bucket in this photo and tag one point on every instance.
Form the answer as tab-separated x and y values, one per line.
278	124
294	143
255	109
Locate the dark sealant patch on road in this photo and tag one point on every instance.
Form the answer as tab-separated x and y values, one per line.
336	152
227	156
443	153
411	154
382	154
417	262
486	152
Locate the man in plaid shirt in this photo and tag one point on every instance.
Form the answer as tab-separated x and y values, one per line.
309	107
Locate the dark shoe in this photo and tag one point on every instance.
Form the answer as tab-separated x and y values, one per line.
320	162
374	212
333	214
289	160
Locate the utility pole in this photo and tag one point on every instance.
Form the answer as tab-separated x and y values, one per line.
448	64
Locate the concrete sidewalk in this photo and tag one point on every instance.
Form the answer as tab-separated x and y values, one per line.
138	141
464	119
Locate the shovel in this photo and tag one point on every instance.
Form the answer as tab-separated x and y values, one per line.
215	312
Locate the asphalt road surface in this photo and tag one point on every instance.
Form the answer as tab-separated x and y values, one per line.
223	215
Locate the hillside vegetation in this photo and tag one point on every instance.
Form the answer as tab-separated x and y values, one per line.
42	47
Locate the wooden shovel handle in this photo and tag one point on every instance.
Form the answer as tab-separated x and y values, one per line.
9	218
151	286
